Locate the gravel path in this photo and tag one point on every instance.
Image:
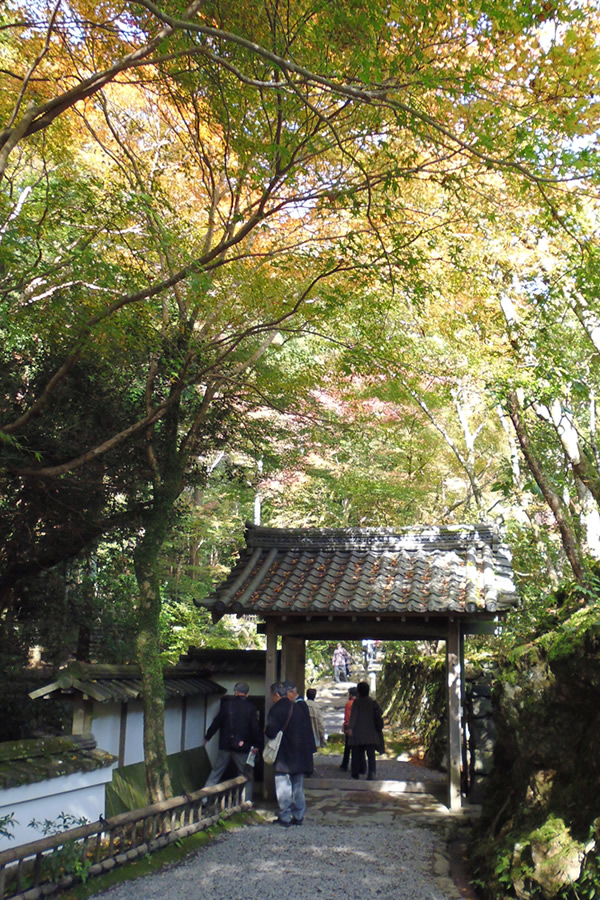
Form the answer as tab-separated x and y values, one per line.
267	862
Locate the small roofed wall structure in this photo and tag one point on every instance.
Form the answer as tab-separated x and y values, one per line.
107	703
427	583
107	700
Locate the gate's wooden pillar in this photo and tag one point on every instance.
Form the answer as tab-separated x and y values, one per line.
454	691
293	661
270	677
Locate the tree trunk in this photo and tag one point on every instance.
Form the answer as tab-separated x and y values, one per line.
552	499
590	519
551	572
146	553
566	428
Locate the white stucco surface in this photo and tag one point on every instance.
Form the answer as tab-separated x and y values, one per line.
80	794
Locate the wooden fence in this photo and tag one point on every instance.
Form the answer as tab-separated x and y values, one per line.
40	868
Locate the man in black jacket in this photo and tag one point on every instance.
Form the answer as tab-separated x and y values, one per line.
295	757
239	734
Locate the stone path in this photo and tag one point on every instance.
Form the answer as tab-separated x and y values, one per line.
406	805
405	794
405	775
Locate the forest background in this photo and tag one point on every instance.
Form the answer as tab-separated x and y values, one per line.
340	256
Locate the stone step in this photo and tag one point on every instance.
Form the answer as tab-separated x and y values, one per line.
379	786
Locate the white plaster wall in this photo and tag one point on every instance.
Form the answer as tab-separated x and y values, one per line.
195	723
80	794
105	726
212	708
256	683
134	735
173	726
106	721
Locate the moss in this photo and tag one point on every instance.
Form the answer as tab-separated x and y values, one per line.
31	761
413	696
526	656
335	744
579	633
552	828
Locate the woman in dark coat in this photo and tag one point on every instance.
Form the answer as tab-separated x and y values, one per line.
365	731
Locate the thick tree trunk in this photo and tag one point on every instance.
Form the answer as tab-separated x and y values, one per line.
552	499
148	656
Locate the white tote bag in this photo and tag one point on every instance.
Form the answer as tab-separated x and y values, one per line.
271	748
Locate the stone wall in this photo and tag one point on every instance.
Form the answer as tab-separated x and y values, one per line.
412	690
480	728
539	835
533	727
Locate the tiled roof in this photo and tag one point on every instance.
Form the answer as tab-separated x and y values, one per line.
108	684
368	572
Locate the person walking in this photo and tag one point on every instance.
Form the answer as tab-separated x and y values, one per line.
295	756
368	649
316	718
347	708
338	661
365	731
239	734
348	664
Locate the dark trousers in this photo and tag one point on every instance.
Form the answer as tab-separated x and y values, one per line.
346	757
358	760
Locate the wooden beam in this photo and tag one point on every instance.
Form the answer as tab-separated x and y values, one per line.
344	630
389	629
43	691
79	725
453	686
271	673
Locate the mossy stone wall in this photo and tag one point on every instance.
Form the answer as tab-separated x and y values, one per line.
413	692
540	831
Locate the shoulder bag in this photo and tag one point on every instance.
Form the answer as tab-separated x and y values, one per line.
271	748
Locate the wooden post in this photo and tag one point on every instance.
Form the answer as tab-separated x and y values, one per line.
453	684
293	661
270	677
464	750
80	717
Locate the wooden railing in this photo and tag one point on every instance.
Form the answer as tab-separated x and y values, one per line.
37	869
